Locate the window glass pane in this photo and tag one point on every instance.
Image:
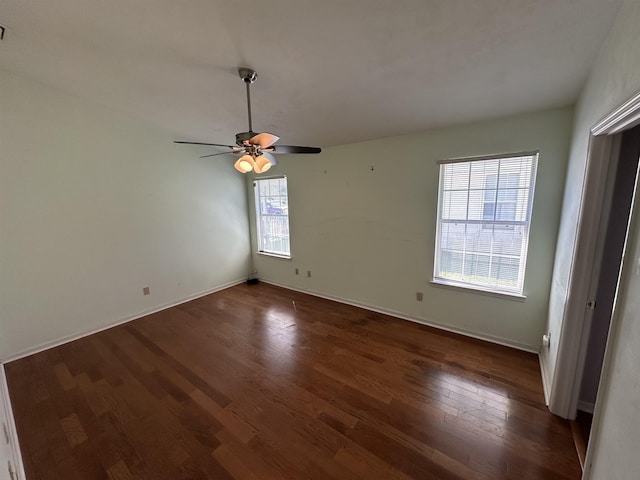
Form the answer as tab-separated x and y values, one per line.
477	266
489	211
455	205
484	174
508	241
490	191
479	238
505	211
451	263
509	179
505	271
456	177
453	236
476	205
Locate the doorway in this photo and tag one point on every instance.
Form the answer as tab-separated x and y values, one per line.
612	234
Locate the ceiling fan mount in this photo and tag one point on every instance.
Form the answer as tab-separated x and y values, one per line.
256	148
247	75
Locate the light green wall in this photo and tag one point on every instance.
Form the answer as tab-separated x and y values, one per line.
614	79
363	222
94	206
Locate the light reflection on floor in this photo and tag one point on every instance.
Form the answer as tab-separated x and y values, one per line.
474	399
280	335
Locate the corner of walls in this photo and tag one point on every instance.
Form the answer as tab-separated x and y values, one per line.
363	222
96	205
110	324
614	78
423	321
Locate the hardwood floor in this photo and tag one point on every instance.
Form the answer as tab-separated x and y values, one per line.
581	429
259	382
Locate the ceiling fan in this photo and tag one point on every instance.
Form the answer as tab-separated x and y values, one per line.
257	149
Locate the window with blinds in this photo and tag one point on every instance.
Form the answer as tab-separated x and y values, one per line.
272	216
484	210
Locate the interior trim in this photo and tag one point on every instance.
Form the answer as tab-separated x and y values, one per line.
586	406
392	313
470	288
494	156
562	394
602	150
622	118
100	328
14	444
545	380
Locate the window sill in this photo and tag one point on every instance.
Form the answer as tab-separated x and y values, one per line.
478	290
275	255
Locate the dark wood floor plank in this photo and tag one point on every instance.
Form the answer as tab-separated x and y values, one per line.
260	382
231	451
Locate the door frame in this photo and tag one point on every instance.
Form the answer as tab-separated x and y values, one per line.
13	445
576	325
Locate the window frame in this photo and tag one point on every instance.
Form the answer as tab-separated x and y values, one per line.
485	287
260	248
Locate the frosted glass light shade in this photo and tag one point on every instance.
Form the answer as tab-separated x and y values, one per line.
244	164
262	164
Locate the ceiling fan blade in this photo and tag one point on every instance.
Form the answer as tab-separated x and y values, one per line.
209	144
293	149
264	140
270	157
219	153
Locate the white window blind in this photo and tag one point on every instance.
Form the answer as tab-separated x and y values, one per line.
484	211
272	216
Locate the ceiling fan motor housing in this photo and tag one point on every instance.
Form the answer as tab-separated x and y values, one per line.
243	138
256	148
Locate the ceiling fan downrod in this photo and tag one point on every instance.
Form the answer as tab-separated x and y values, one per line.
257	149
248	76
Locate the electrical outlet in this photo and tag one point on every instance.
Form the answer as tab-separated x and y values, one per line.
546	340
297	272
419	296
146	291
308	273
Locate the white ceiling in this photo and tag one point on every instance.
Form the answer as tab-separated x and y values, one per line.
330	71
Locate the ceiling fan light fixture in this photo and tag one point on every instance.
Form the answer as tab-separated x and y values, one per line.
262	164
244	164
258	148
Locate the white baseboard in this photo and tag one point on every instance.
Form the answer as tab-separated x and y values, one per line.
17	461
402	316
6	414
84	333
586	406
545	382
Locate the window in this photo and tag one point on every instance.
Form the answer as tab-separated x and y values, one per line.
484	210
272	216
